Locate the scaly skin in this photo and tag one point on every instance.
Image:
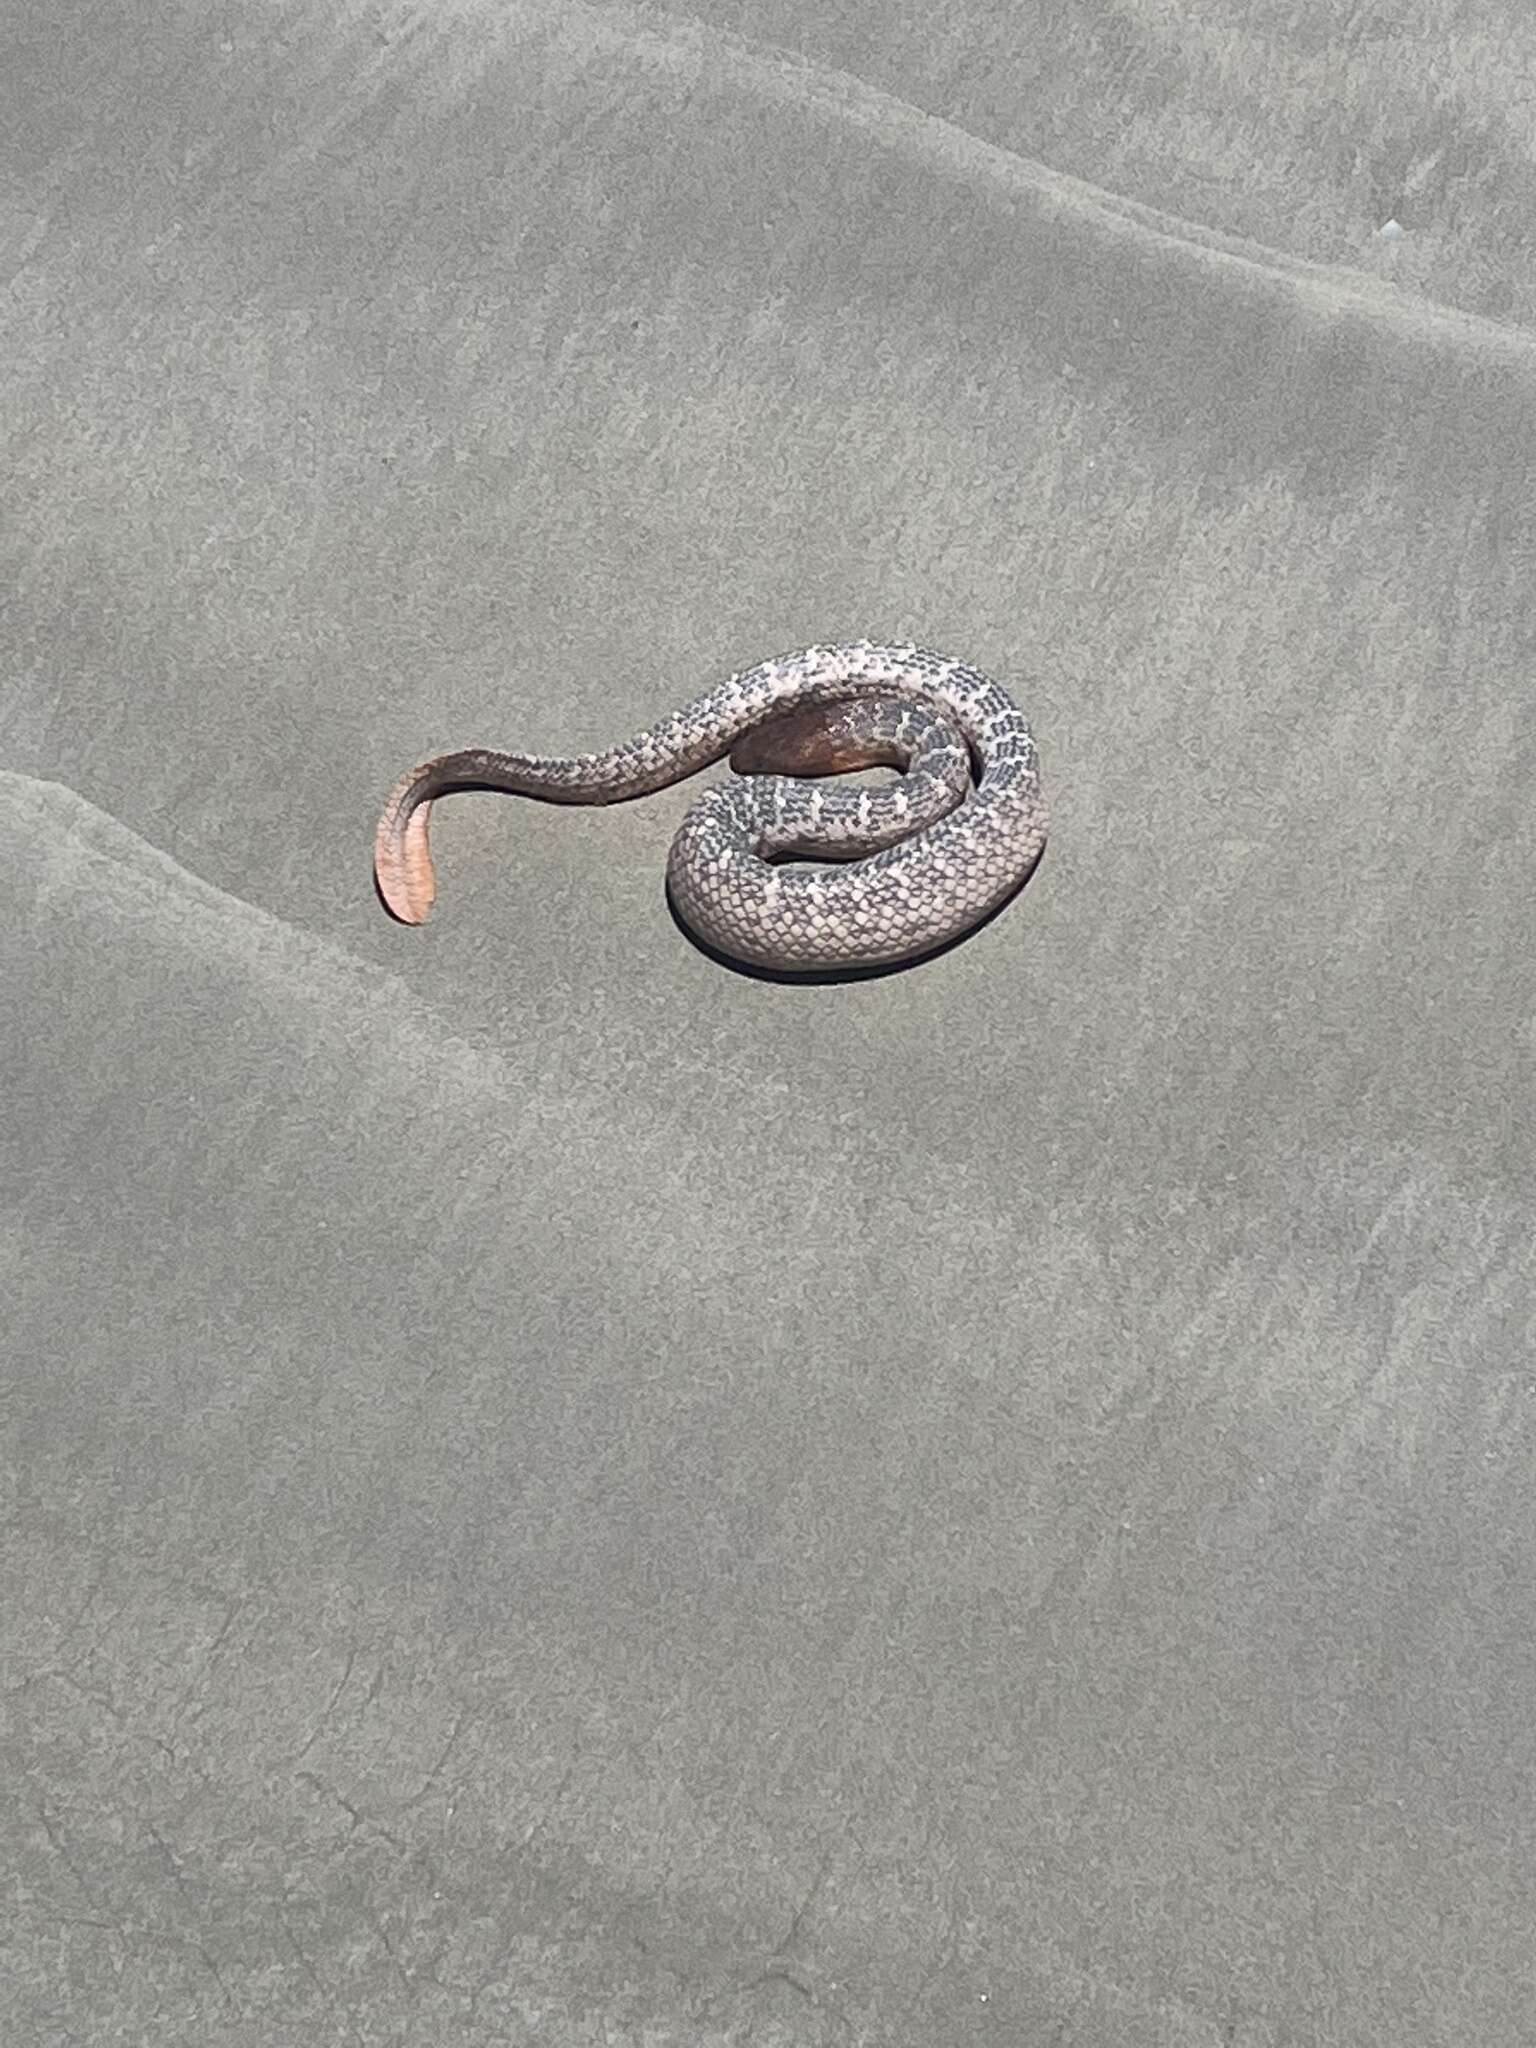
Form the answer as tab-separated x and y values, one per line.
927	859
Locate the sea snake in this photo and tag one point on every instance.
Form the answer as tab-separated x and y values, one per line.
923	860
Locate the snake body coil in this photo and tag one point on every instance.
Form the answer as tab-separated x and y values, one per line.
928	857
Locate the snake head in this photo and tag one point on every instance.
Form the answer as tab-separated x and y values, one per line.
818	739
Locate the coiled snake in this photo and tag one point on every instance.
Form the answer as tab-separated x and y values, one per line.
931	855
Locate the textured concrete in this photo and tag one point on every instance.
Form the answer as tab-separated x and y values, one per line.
557	1493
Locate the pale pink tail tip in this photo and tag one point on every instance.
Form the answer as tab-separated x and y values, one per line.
402	868
405	899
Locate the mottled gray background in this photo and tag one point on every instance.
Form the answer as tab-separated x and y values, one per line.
556	1493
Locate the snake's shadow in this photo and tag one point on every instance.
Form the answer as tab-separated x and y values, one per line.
832	977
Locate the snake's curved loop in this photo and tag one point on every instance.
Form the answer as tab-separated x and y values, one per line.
920	862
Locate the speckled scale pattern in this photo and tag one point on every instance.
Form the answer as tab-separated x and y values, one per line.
938	854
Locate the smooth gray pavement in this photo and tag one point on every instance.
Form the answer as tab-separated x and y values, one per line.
557	1493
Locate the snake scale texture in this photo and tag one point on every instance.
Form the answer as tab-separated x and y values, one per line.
920	861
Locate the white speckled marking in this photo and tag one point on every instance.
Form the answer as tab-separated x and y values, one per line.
939	854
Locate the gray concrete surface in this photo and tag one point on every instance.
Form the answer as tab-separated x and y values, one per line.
556	1493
